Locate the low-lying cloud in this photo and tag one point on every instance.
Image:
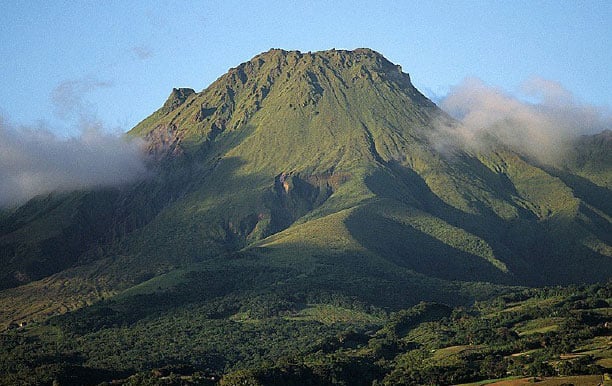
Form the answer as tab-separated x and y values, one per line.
542	129
36	161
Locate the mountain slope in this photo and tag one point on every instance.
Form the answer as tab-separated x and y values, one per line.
307	135
321	169
293	206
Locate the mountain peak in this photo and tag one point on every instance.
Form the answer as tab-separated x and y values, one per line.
177	97
310	175
317	89
364	56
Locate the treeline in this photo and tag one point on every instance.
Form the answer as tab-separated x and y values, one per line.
264	339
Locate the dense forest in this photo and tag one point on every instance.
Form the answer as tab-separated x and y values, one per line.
556	331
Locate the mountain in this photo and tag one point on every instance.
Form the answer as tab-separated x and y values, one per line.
301	179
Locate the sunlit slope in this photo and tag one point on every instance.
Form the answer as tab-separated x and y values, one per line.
282	135
327	159
294	138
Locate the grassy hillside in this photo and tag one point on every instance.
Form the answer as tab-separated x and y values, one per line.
289	138
312	176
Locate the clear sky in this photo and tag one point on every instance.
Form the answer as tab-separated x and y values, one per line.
119	60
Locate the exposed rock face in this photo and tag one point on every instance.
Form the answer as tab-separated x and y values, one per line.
295	195
164	141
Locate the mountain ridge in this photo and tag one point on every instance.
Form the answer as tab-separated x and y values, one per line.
320	167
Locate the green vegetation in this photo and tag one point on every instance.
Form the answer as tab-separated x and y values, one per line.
297	212
268	339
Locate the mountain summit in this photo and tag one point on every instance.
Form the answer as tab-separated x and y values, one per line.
349	127
312	176
301	97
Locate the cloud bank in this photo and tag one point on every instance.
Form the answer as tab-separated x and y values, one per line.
36	161
542	129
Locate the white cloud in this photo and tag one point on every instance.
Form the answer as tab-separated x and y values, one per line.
36	161
489	116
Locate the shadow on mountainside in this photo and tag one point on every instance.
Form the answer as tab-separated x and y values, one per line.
595	195
535	252
408	247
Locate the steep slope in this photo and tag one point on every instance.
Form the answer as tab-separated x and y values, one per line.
590	158
319	169
50	233
305	136
282	134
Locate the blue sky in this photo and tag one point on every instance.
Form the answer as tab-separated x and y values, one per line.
117	61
